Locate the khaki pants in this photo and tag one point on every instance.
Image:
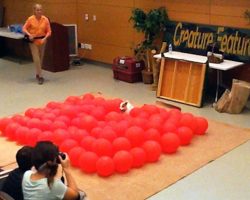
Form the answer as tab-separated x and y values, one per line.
37	55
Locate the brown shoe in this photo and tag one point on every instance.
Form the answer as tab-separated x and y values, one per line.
40	80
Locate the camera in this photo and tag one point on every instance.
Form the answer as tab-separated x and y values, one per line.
63	156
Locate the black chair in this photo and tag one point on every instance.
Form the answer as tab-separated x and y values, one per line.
5	196
3	175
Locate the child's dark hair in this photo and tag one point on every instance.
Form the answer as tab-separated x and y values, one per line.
23	158
44	159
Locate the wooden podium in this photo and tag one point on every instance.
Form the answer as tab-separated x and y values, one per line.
182	77
56	55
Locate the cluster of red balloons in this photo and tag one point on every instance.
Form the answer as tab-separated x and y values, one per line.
99	138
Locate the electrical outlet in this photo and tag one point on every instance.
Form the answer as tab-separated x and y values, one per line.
94	18
86	17
88	46
83	46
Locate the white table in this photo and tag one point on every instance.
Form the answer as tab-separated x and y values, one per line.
183	56
224	66
5	32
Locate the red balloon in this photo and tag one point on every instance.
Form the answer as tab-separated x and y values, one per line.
17	118
144	114
20	134
4	123
113	105
69	110
87	162
45	136
156	118
169	127
86	109
98	113
101	124
11	129
153	134
109	106
96	132
135	112
64	119
202	125
38	113
121	127
113	116
88	96
121	143
123	161
150	109
175	112
152	150
99	101
139	157
56	111
34	123
108	133
30	112
58	125
187	119
77	134
88	122
50	116
155	121
135	135
67	145
185	134
45	125
170	142
74	155
59	136
32	136
24	121
72	99
102	147
53	105
105	166
87	142
140	122
76	122
116	104
164	114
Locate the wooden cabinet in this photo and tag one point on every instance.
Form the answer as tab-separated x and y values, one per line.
182	80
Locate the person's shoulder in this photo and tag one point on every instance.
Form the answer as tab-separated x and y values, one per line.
45	18
27	173
32	17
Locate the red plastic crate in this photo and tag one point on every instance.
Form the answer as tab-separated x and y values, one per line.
127	76
128	64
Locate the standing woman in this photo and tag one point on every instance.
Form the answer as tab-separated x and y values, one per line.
37	28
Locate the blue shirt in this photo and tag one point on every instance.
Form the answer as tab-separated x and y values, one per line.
39	189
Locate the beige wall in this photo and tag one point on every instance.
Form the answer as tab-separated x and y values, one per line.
111	34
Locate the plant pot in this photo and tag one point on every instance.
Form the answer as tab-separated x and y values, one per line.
147	77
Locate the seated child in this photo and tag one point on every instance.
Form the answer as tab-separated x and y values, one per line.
13	184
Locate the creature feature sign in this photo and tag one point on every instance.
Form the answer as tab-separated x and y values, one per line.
194	38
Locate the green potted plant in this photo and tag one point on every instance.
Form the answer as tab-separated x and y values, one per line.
151	24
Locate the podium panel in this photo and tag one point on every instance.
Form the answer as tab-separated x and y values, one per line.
56	55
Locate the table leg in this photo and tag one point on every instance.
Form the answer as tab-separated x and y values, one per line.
217	85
